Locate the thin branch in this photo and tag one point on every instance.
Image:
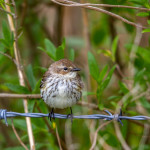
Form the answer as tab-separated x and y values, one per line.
120	137
19	139
11	58
23	96
52	130
145	136
74	4
18	66
7	12
38	96
13	28
112	6
96	133
58	139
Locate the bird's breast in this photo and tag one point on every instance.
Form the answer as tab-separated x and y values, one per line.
61	93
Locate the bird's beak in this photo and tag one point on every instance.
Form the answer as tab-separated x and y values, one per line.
75	69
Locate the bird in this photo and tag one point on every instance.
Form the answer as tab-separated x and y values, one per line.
61	86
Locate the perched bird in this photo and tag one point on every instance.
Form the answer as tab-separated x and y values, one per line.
61	86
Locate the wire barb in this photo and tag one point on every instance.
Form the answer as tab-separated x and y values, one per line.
118	117
3	115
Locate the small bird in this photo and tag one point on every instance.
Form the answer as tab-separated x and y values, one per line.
61	86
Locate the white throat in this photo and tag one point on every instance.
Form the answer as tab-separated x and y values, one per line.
70	75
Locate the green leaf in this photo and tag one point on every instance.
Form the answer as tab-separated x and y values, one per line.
143	14
20	124
36	88
146	30
148	21
123	87
50	48
145	103
63	45
71	54
93	66
106	53
107	80
6	31
42	69
144	53
136	2
17	88
100	106
4	42
31	104
15	148
59	53
139	75
31	77
113	104
105	83
86	93
114	48
102	74
114	97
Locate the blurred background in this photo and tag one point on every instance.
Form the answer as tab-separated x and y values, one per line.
114	58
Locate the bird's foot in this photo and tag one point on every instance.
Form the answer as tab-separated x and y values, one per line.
51	115
70	115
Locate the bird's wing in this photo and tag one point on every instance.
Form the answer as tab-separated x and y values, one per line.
45	77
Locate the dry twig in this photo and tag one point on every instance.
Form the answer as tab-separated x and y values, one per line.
74	4
120	137
7	12
96	133
38	96
13	28
19	139
58	139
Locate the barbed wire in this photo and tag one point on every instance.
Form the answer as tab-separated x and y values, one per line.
118	117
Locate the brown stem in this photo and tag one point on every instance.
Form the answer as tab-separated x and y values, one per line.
52	131
19	139
13	28
74	4
96	133
38	96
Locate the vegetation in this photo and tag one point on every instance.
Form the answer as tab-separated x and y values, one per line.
113	53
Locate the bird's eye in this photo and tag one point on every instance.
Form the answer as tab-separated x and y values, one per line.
65	68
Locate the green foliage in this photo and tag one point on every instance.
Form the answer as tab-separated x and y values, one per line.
71	54
114	48
143	14
111	54
102	85
53	52
8	38
111	84
146	30
31	77
93	66
16	88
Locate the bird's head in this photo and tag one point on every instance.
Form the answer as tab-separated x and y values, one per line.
65	68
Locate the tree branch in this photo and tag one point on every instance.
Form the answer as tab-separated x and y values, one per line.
38	96
74	4
19	139
13	28
96	133
7	12
108	5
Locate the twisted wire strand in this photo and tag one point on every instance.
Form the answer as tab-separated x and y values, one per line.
118	117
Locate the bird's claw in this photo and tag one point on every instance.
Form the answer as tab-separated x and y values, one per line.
51	115
70	115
